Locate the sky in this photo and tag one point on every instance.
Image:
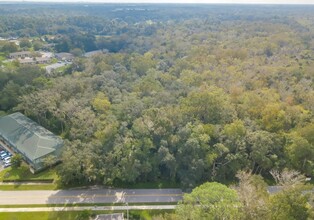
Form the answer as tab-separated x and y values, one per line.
179	1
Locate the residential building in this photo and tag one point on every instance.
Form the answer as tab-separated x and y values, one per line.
64	56
21	54
114	216
33	142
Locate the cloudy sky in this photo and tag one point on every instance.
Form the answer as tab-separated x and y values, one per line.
180	1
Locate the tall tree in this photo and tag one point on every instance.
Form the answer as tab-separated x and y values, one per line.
252	191
210	201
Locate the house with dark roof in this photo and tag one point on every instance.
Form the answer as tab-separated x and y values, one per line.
33	142
95	52
64	56
21	54
114	216
27	61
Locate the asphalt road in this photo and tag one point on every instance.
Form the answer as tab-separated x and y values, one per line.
92	208
54	66
90	196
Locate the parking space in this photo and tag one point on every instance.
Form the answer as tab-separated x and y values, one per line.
1	166
5	157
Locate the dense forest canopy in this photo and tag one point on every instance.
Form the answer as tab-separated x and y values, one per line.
186	94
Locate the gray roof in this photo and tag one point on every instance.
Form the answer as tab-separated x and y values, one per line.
27	61
20	53
29	138
115	216
64	56
95	52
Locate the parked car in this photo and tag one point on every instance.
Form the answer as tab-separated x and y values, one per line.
7	159
2	156
7	164
5	154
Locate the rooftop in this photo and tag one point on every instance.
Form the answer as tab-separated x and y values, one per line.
115	216
32	140
64	55
95	52
20	53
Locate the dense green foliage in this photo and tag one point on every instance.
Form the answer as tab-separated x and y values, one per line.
246	200
210	201
186	95
16	160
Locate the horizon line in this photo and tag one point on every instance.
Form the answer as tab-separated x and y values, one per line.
170	2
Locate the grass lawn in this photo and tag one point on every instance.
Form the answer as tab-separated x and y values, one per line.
2	57
23	173
75	215
28	187
2	113
159	184
61	69
146	185
41	215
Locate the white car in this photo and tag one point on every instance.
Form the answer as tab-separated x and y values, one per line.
7	164
7	159
4	155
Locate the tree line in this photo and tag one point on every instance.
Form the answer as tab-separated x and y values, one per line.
185	100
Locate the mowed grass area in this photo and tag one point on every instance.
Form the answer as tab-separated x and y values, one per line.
28	187
23	174
76	215
148	185
42	215
2	57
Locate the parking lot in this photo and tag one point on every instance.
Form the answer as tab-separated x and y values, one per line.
5	157
1	166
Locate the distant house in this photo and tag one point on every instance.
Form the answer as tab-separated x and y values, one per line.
64	56
21	54
27	61
38	60
95	52
48	46
43	60
35	143
115	216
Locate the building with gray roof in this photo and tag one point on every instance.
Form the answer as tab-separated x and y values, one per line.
21	54
26	137
115	216
64	56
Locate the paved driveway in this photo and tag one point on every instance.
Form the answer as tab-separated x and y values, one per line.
54	66
1	165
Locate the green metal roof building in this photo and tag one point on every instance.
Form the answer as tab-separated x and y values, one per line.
29	139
